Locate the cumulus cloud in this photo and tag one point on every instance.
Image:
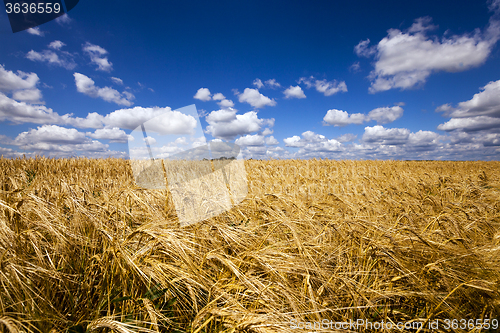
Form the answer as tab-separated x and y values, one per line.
56	45
10	81
117	80
28	95
342	118
470	124
423	139
386	136
51	134
225	103
386	115
22	112
170	122
203	94
267	131
406	59
311	142
35	31
9	153
87	86
258	83
382	115
484	103
364	50
224	115
271	141
226	124
250	140
98	57
348	137
218	97
255	98
112	134
63	20
272	83
294	92
355	67
481	112
325	87
151	141
64	60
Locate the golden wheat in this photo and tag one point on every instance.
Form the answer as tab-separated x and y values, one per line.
82	247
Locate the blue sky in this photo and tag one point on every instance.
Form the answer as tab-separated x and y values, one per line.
294	79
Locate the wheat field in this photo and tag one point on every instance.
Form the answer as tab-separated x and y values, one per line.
84	249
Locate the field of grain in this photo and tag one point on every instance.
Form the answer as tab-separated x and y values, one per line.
84	249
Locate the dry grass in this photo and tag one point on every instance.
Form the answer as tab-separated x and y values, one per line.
82	248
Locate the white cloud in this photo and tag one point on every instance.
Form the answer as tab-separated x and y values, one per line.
62	150
86	85
494	6
406	59
56	45
313	143
325	87
250	140
10	81
51	134
347	137
342	118
224	115
271	141
363	50
330	88
272	83
9	153
294	92
423	139
386	114
63	19
481	112
97	56
484	103
258	83
226	124
226	103
171	122
113	134
203	94
65	60
35	31
28	95
198	142
386	136
21	112
267	131
293	141
151	141
491	139
382	115
355	67
181	141
470	124
117	80
218	97
255	98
